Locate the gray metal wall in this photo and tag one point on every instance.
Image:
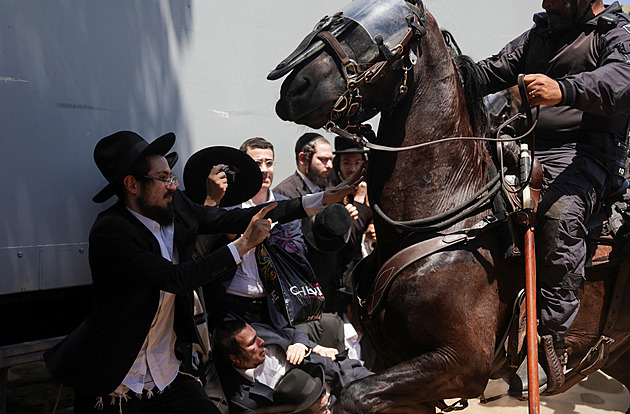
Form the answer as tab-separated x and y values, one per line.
73	71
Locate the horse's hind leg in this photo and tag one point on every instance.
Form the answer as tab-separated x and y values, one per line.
411	386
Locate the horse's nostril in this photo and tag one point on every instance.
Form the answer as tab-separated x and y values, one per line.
300	86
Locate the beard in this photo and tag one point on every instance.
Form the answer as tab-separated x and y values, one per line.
561	20
164	216
317	179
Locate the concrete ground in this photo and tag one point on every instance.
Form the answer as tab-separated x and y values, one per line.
32	391
597	394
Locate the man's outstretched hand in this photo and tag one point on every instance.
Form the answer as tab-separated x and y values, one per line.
348	186
257	231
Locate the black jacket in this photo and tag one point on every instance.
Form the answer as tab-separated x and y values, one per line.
292	186
214	292
128	273
591	65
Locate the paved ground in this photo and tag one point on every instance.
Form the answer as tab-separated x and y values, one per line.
32	391
596	394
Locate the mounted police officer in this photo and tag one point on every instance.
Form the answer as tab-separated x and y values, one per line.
576	61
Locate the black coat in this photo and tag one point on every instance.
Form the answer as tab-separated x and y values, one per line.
292	186
128	273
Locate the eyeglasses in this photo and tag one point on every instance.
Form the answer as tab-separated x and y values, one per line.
172	180
267	163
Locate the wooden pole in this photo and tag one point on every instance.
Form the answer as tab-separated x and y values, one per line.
532	331
530	290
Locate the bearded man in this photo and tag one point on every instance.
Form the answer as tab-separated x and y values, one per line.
313	159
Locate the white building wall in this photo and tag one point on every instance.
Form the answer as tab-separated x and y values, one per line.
74	71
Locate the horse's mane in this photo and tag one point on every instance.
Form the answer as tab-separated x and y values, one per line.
473	93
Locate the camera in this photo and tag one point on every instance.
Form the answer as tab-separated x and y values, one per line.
231	175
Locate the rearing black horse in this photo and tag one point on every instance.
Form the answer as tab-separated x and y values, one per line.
440	320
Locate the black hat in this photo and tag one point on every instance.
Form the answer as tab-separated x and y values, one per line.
117	153
171	158
345	146
329	230
299	388
247	177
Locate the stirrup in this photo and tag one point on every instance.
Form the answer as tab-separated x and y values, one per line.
519	383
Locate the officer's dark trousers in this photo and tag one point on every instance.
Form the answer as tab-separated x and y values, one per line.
573	185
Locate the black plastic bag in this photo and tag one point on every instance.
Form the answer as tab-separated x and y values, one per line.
288	278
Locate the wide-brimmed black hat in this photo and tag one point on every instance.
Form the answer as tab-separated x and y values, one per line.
117	153
329	230
247	178
171	158
299	388
345	146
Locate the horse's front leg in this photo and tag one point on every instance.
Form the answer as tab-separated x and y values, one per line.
413	386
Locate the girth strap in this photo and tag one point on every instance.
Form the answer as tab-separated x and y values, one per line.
401	260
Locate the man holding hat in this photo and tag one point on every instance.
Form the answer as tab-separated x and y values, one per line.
349	157
140	257
243	295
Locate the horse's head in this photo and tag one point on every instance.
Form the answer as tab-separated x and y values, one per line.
352	65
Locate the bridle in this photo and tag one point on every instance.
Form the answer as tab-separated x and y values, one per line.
357	74
347	105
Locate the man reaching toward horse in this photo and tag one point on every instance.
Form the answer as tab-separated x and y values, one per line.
576	61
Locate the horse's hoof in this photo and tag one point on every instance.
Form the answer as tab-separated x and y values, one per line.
519	383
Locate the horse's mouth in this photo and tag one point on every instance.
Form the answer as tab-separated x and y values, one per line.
314	117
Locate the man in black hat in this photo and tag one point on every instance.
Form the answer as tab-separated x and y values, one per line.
349	157
303	391
140	259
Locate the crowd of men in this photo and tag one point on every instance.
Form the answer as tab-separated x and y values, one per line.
177	286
